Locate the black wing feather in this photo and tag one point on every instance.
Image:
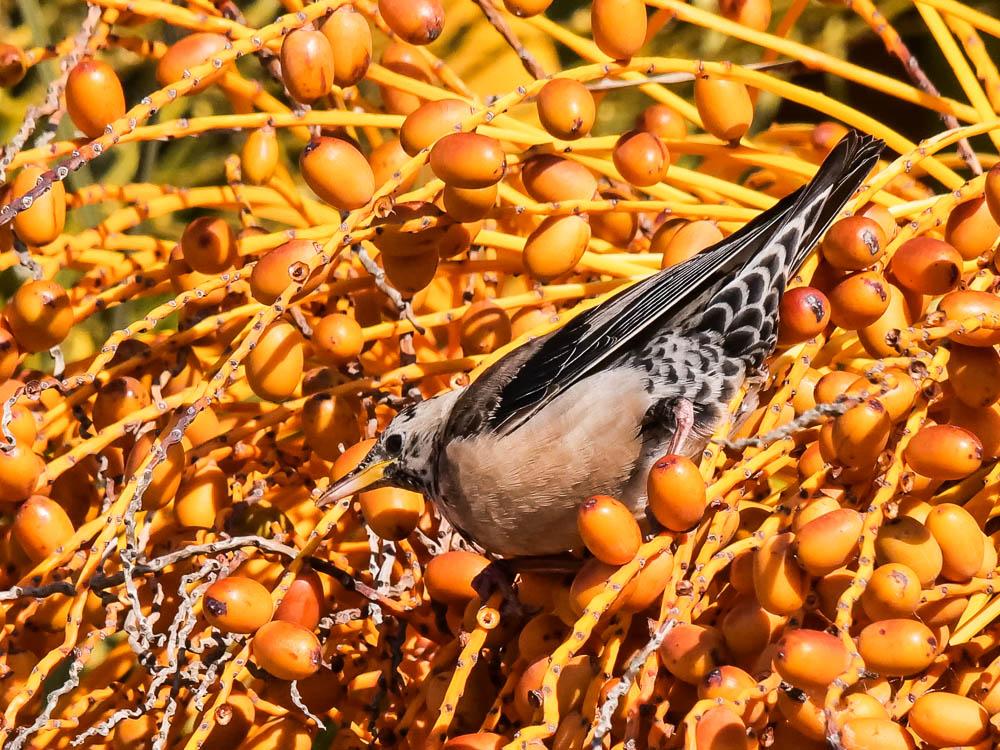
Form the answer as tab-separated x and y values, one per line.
596	337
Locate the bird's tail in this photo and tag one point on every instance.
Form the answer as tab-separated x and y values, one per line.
817	204
776	243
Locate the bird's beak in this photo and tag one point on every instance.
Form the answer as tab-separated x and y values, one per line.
355	481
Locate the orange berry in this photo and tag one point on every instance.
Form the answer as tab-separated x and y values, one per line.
804	312
406	60
944	451
872	733
826	135
676	493
616	227
962	543
974	374
755	14
45	220
449	576
549	179
118	399
725	107
906	541
829	541
328	421
94	96
201	497
682	240
274	366
468	160
853	243
566	109
571	685
337	339
859	300
237	605
641	158
861	433
556	246
386	160
468	204
647	588
20	469
527	8
895	390
338	173
747	627
991	191
392	513
304	603
609	530
878	337
662	121
619	26
188	53
892	591
287	650
811	659
484	327
971	304
971	228
260	155
10	355
947	720
431	121
350	39
39	315
13	65
411	273
41	527
590	581
689	652
209	245
881	216
287	264
23	426
720	727
779	583
927	266
306	65
414	21
897	647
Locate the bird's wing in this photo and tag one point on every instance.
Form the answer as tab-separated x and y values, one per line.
598	337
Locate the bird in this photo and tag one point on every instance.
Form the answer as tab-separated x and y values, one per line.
588	408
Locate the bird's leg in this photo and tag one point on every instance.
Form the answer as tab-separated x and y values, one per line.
683	413
499	576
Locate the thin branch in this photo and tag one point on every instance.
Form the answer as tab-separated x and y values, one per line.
495	17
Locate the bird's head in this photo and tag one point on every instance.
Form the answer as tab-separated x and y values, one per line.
404	455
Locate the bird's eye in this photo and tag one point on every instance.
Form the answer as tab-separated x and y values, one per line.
394	443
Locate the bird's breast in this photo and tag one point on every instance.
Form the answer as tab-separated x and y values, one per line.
518	494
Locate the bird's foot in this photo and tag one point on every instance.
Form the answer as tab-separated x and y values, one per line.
683	413
498	578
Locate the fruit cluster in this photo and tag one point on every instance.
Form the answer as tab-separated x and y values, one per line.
381	233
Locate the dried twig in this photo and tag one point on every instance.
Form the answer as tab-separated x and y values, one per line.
54	93
495	17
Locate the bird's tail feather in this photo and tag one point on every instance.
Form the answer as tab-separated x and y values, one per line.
817	204
775	244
